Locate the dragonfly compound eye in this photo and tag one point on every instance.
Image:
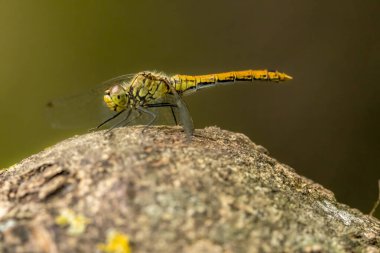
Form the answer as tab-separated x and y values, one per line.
116	98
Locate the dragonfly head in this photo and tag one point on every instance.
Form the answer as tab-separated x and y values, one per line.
116	98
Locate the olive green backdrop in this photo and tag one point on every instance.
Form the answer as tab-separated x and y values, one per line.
324	123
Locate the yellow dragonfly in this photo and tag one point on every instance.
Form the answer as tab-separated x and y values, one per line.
136	95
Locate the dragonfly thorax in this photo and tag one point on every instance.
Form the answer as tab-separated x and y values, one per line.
116	98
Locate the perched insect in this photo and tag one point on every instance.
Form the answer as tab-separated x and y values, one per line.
137	95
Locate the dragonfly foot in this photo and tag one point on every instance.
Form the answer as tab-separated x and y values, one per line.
92	129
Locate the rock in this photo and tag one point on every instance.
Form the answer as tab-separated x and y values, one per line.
160	193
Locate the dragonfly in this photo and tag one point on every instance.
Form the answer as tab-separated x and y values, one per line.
133	96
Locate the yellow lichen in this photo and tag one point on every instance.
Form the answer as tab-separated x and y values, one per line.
116	243
76	223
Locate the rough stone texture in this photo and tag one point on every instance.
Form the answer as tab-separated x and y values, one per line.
219	193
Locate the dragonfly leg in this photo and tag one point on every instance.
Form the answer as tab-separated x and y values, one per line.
154	116
124	122
166	105
107	120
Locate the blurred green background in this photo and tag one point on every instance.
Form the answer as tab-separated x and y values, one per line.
324	123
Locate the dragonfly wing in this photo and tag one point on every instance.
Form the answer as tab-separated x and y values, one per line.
185	117
86	109
77	112
184	114
117	80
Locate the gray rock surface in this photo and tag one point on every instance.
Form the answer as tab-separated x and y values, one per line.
218	193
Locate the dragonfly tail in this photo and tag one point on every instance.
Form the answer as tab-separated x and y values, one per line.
187	83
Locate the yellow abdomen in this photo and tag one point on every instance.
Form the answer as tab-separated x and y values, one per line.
188	83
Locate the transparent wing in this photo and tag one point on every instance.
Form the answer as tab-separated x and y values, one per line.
85	110
118	79
181	112
185	117
82	110
164	116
